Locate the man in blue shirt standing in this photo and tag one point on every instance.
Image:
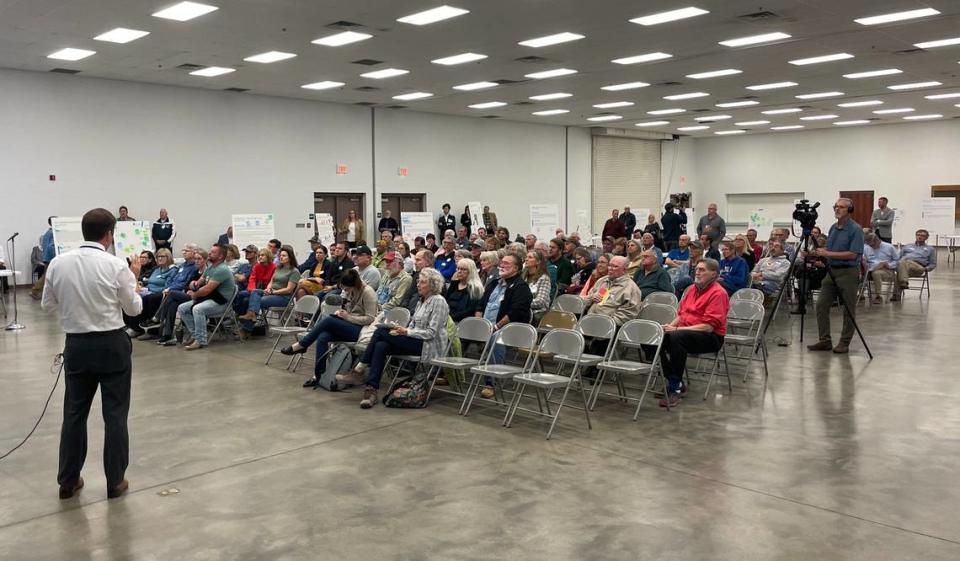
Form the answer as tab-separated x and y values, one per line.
843	252
48	252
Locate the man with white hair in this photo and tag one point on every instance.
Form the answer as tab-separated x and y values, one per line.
770	271
530	241
615	295
882	260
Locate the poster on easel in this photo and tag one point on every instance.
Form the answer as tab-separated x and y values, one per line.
131	238
761	221
416	224
67	234
326	233
544	220
898	233
937	216
476	214
582	226
256	229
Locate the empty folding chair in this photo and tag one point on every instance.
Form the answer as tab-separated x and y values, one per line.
298	321
751	294
520	337
667	298
556	319
752	313
569	303
596	327
570	343
660	313
634	334
469	330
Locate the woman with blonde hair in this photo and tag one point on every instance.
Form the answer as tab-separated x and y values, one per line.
488	267
634	252
464	291
352	230
741	247
535	275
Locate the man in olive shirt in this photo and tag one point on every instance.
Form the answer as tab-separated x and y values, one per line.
564	267
216	287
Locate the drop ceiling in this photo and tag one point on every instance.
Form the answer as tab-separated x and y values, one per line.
32	29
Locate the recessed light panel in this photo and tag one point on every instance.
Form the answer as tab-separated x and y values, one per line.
873	73
866	103
385	73
751	123
772	86
819	95
782	111
434	15
914	86
851	123
71	54
746	103
268	57
943	96
613	104
711	118
652	124
818	117
624	86
185	11
603	118
341	39
672	15
548	40
412	96
637	59
892	111
549	112
550	73
459	59
787	128
325	85
211	71
819	59
121	35
475	86
549	96
693	128
691	95
666	111
938	43
723	133
487	105
897	16
923	117
754	39
715	74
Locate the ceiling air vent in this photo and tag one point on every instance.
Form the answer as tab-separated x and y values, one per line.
532	59
396	107
701	110
190	67
764	15
344	25
64	71
909	51
524	103
669	84
237	90
367	62
365	103
506	82
490	117
366	89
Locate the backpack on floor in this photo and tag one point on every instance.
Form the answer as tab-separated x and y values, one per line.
338	359
409	393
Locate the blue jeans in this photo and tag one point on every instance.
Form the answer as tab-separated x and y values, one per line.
241	302
194	317
382	345
330	328
259	301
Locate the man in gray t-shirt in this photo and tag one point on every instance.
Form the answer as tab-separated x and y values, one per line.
882	220
712	225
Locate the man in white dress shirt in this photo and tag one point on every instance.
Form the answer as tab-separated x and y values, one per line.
90	288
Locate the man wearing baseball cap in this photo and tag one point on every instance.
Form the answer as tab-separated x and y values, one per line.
311	262
363	258
243	271
395	282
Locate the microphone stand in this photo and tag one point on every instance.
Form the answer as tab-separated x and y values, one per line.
14	325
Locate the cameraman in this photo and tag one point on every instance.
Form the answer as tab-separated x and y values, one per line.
842	253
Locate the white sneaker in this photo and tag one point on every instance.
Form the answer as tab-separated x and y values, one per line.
133	333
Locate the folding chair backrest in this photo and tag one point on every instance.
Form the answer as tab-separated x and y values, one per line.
660	313
327	309
749	294
307	305
640	332
475	329
562	341
667	298
597	326
569	303
746	310
400	316
517	335
555	319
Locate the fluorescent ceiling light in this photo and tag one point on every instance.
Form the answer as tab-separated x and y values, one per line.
891	111
772	86
710	118
212	71
625	86
549	112
268	57
475	86
550	73
601	118
754	39
751	123
849	123
652	124
547	97
121	35
459	59
782	111
672	15
548	40
71	54
715	74
819	95
185	11
690	95
897	16
818	117
666	111
943	96
786	128
938	43
487	105
432	16
613	104
693	128
340	39
412	96
923	117
325	85
873	73
730	132
385	73
636	59
867	103
914	85
819	59
738	104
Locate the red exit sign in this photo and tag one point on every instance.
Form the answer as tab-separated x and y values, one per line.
341	169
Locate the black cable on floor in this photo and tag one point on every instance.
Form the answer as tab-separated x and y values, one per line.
58	366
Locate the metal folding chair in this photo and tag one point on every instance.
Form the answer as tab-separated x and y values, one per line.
469	330
569	342
634	334
667	298
660	313
924	284
569	303
751	294
596	327
226	315
556	319
751	313
522	337
298	322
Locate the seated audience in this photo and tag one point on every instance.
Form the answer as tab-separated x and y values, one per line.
771	271
615	295
709	251
503	235
341	263
210	297
881	258
259	279
232	261
530	241
505	300
647	243
423	260
652	277
311	261
431	244
395	283
686	271
242	276
915	259
489	263
743	249
274	246
403	248
418	244
699	327
463	238
464	292
620	247
282	287
476	249
653	228
152	293
492	244
754	246
176	294
600	270
446	261
634	252
535	275
148	262
584	267
564	267
426	336
363	259
733	269
315	280
680	254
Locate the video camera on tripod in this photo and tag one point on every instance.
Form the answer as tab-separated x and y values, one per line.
806	215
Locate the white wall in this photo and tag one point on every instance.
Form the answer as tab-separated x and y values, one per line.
205	155
678	169
900	162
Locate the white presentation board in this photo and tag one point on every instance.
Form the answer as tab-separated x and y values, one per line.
762	221
67	234
642	215
937	217
544	221
130	238
413	224
325	230
582	226
476	214
256	229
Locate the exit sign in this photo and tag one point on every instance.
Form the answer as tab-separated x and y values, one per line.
341	169
403	172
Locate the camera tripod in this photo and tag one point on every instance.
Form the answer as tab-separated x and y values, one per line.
806	241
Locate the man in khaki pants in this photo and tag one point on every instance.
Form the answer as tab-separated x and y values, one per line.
915	259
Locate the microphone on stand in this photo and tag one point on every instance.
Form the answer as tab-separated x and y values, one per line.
15	234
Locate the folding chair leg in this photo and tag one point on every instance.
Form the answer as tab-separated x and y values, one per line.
597	385
514	405
583	395
472	388
556	417
273	349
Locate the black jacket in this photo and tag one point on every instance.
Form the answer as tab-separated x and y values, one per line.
459	301
671	225
466	222
337	269
388	225
445	223
516	300
629	222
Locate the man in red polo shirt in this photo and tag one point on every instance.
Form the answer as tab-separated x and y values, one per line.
699	327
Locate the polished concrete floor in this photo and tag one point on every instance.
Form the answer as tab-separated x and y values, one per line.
840	458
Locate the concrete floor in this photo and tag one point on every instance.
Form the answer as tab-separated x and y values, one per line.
841	458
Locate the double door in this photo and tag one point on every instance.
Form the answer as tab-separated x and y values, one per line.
339	206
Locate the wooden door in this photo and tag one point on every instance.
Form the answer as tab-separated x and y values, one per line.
862	206
411	203
391	203
339	205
